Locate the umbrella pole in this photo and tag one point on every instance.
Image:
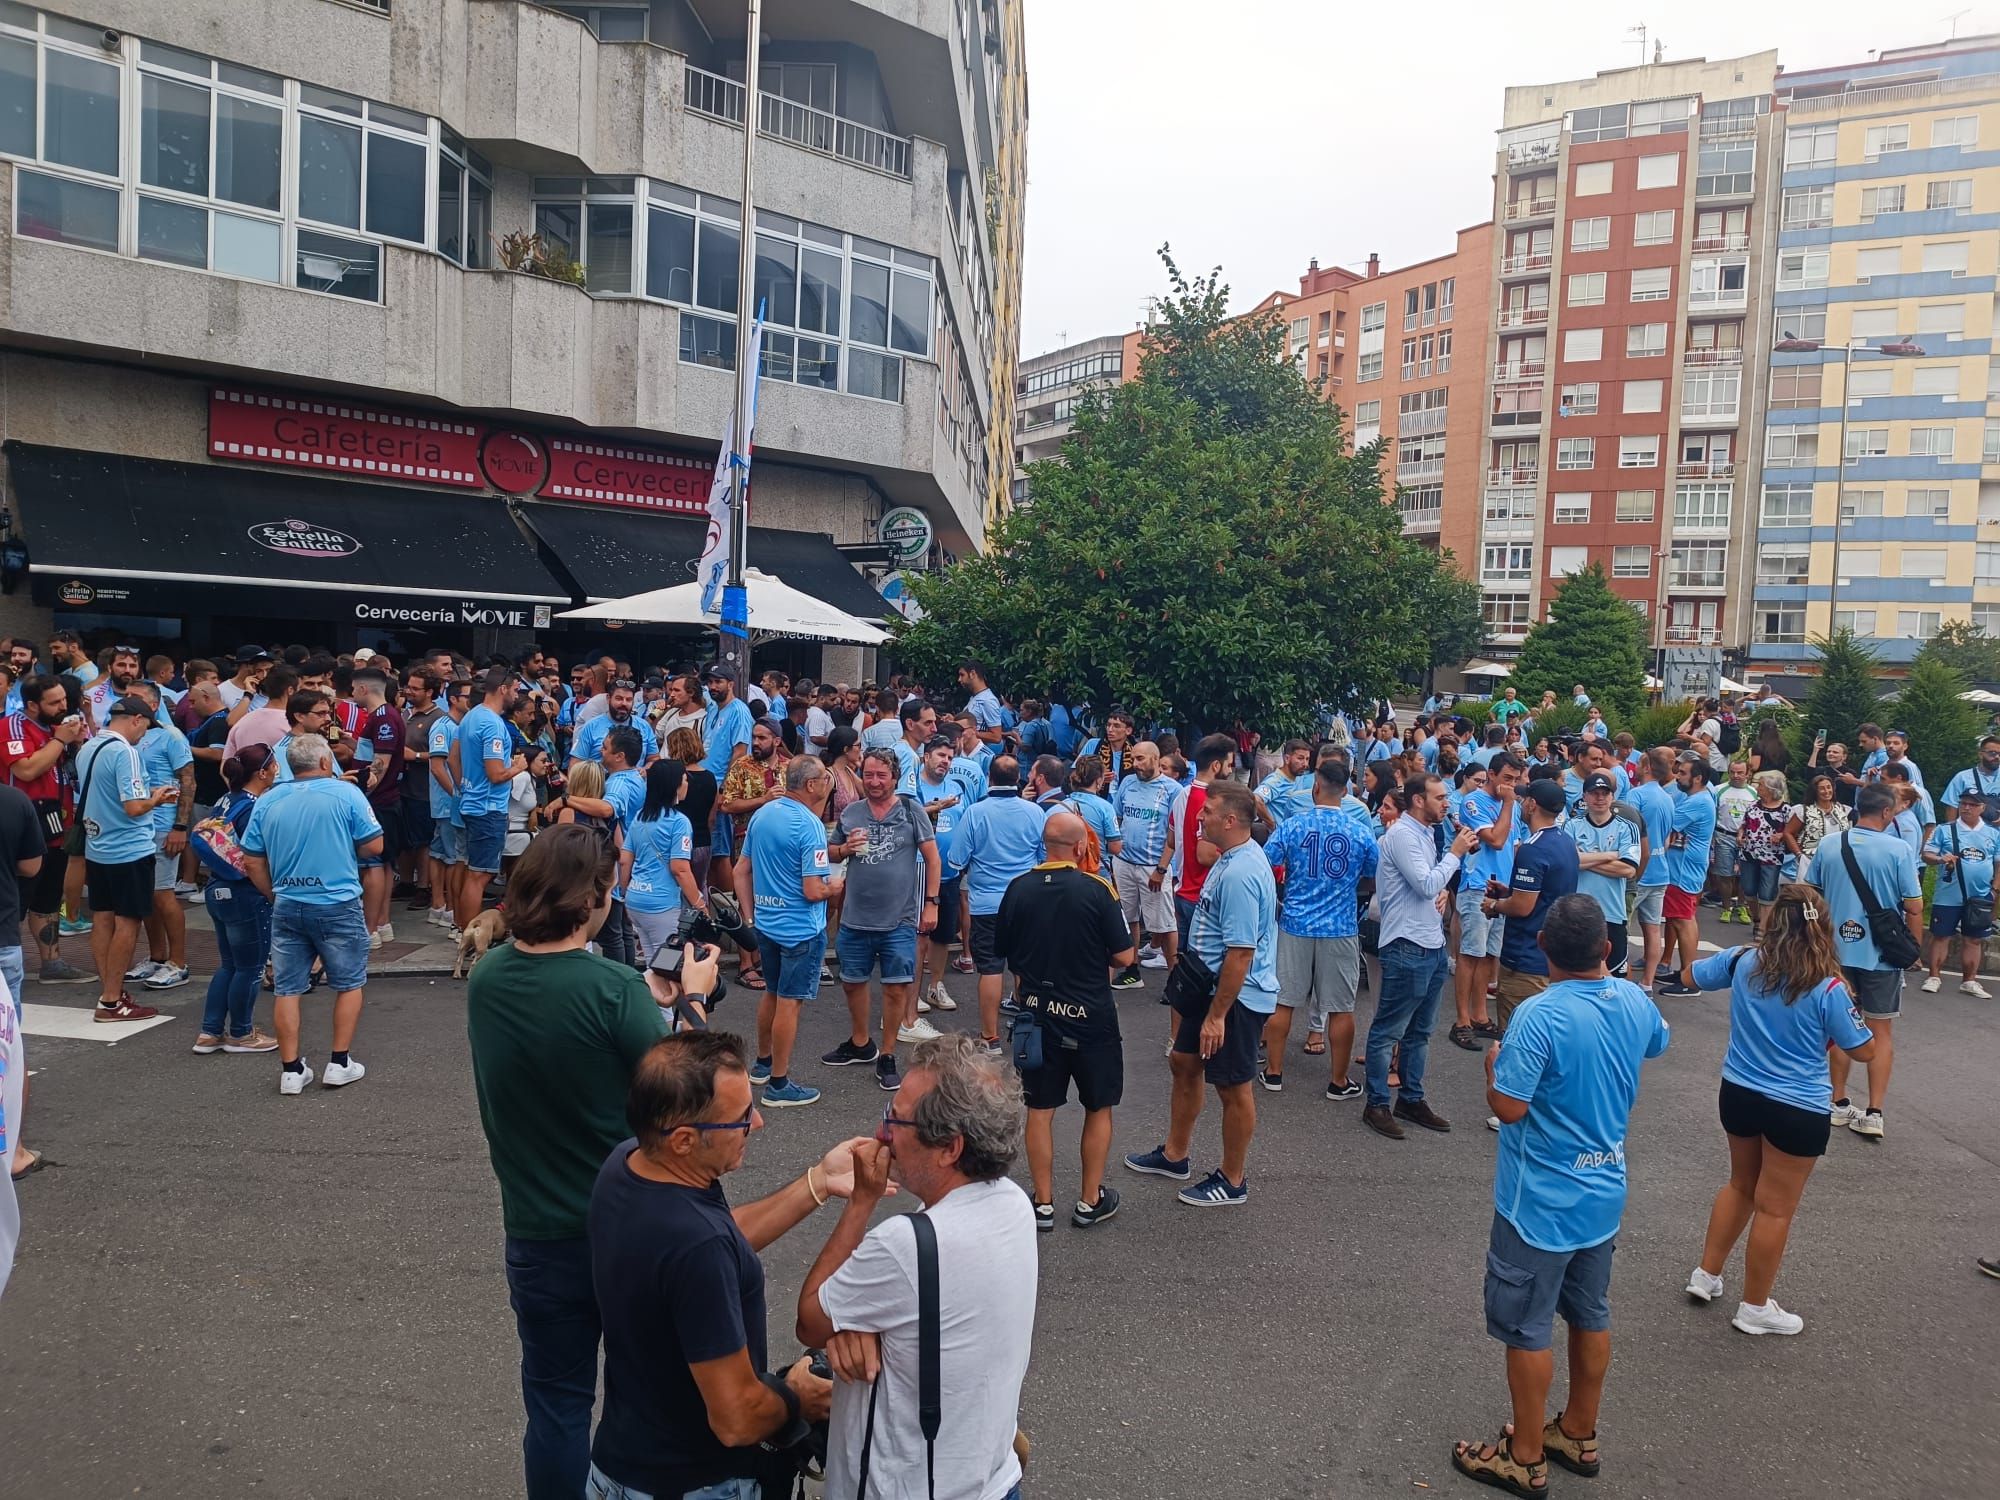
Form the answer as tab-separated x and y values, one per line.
733	634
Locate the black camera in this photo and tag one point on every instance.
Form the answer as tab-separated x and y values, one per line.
672	956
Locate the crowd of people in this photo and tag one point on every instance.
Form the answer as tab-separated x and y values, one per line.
652	834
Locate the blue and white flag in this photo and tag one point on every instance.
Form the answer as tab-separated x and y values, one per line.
713	567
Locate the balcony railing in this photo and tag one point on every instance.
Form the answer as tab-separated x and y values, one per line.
1711	469
1423	468
1412	423
1421	517
722	99
1533	153
1733	300
1513	479
1524	317
1527	261
1709	413
1722	243
1702	359
1529	208
1699	578
1693	635
1527	372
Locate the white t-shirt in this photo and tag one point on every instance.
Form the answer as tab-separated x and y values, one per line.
819	724
986	1293
229	692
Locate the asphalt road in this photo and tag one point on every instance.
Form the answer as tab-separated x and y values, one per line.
225	1293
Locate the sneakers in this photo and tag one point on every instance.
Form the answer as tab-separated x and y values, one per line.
991	1046
1045	1218
827	976
760	1070
1215	1191
961	965
1419	1112
386	932
338	1075
438	916
1378	1119
1010	1006
1088	1215
141	971
1128	979
1931	985
1150	950
923	1005
1975	989
1156	1163
374	941
207	1043
918	1030
167	977
1842	1113
1677	991
1704	1287
789	1095
1343	1091
1868	1123
76	928
55	971
127	1009
887	1079
1493	1123
939	997
846	1055
1272	1082
255	1041
186	888
290	1082
1770	1318
1154	960
1988	1267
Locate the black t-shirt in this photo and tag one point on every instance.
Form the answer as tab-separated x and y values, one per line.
677	1284
699	804
21	837
211	733
1057	929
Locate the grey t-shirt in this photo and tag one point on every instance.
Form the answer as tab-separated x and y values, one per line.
885	886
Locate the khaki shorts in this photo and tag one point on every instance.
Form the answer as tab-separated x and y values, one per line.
1513	988
1152	910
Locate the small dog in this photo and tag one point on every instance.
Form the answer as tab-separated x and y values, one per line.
481	933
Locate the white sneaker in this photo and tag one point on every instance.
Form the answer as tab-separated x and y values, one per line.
374	941
438	916
141	971
1493	1123
1843	1114
386	932
453	933
1157	960
167	977
1867	1122
940	998
186	888
1770	1318
295	1083
334	1075
1931	985
918	1030
923	1006
1151	950
1975	989
1702	1286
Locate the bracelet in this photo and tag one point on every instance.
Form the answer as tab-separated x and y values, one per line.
818	1202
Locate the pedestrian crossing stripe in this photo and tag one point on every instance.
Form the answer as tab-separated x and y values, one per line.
79	1024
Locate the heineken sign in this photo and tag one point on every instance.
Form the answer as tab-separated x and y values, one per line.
908	530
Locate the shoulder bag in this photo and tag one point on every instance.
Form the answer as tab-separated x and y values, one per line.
1890	931
930	1362
76	838
1978	910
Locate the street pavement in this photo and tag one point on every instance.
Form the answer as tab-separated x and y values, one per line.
223	1292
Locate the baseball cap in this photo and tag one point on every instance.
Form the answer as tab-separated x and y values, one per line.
246	654
716	669
130	703
1547	795
365	654
1597	781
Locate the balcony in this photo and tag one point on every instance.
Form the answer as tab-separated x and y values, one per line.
1527	263
1513	479
1693	635
1720	243
1527	372
1703	580
830	135
1708	359
1709	413
1709	304
1536	146
1422	469
1421	520
1524	317
1415	423
1713	469
1521	210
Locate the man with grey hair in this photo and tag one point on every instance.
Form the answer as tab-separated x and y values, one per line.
302	846
951	1135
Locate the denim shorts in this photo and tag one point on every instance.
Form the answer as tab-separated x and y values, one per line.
1649	910
1879	992
13	968
485	837
791	971
1757	880
601	1486
860	951
724	837
447	841
1526	1288
337	935
1478	934
166	867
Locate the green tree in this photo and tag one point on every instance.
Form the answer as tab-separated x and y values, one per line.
1943	727
1843	696
1964	647
1452	621
1206	548
1591	636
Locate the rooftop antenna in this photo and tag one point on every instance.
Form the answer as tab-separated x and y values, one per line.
1955	17
1659	49
1640	32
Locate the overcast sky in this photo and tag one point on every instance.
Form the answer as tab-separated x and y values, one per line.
1257	134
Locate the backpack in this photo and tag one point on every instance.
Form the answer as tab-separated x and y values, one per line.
215	843
1090	859
1731	738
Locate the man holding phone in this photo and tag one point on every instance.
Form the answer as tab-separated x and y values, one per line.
116	811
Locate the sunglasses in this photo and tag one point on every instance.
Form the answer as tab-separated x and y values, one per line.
748	1120
124	650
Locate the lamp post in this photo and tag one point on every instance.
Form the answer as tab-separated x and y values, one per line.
1894	349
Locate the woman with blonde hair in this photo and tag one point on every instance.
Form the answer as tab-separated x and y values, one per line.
1760	845
1788	1006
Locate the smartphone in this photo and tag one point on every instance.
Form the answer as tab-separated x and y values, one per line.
1820	738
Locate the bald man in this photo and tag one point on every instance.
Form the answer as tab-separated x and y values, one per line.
1063	933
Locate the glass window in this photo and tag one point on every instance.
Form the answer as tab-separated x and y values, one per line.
1782	562
173	135
1952	193
450	210
80	112
1638	452
715	281
344	267
776	288
1807	323
670	255
1884	199
1632	562
872	374
1586	288
1637	505
329	172
1589	234
17	96
173	232
1571	508
868	312
396	189
1646	338
910	314
1933	505
249	140
1810	207
1863	503
1918	624
1652	284
249	247
1655	228
1788	505
819	292
478	223
55	208
607	257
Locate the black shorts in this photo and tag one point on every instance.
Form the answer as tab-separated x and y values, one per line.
946	931
1794	1131
417	826
984	958
1617	935
123	890
391	819
47	895
1096	1067
1235	1061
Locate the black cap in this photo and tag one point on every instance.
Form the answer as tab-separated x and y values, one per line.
1547	795
247	654
130	703
1597	781
716	669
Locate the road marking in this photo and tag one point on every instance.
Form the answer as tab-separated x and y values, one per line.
80	1025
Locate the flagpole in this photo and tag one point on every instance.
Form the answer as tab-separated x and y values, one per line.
734	634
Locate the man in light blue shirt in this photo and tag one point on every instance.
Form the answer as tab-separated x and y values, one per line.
1654	801
1494	816
447	822
1607	854
166	760
1288	791
946	803
116	809
1963	851
1690	839
982	704
1980	780
1001	837
1143	803
589	741
1562	1085
487	765
1896	752
1235	935
302	846
725	738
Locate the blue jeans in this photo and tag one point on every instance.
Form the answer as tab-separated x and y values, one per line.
603	1487
242	919
1412	978
13	966
555	1314
336	935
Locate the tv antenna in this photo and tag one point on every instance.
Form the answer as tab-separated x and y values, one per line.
1640	32
1955	17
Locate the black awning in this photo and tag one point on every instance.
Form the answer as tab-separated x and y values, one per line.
133	528
613	553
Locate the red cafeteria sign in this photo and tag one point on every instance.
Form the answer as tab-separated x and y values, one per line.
341	437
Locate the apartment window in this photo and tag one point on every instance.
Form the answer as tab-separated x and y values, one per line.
1725	169
1867	442
1698	565
1986	619
1374	316
1986	563
1990	450
1779	625
1301	332
1447	293
1586	289
1961	131
1504	614
1576	453
1444	352
1783	562
1367	414
1661	116
1580	344
1369	367
1859	622
1865	504
1637	505
1606	123
1869	383
1942	317
1632	562
1918	624
1924	562
1639	452
1879	260
1872	323
1794	386
1932	442
1861	562
1580	399
1808	208
1953	256
1409	358
1659	171
622	23
1928	505
1811	146
1571	509
1885	199
1564	561
1646	338
1421	500
1791	447
1589	234
1517	405
1708	448
464	202
1787	505
1879	140
1420	457
1799	269
1654	228
1507	563
1954	193
1701	507
1592	179
1652	284
1411	299
1807	323
1643	395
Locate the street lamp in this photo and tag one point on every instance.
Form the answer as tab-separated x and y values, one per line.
1894	349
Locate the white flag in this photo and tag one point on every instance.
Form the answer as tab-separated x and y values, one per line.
713	568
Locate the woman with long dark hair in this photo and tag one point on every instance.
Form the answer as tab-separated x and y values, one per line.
657	870
241	916
1767	751
1819	818
1788	1006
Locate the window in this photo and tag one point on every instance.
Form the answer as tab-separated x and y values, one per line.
1447	294
1698	565
1410	358
1860	622
1593	178
1586	289
1444	352
1872	323
1632	562
1928	505
1701	507
1953	256
1589	234
1881	139
1607	123
1791	447
1860	503
1783	562
1643	395
1420	457
1867	442
1570	509
1811	146
1646	338
1661	116
618	23
1367	422
1989	452
1369	367
1986	563
1879	260
1954	193
1580	399
1374	316
1961	131
1581	344
1935	380
1725	169
1637	505
1576	453
1504	614
1779	625
1917	624
1942	317
1652	284
1301	332
1420	501
1718	283
1801	268
1869	382
1932	442
1809	208
1659	171
1924	562
1876	201
1639	452
1507	563
1794	386
1564	561
1654	228
1787	505
1808	323
1986	619
464	202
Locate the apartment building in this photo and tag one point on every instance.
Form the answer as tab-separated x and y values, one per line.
1048	388
270	348
1880	500
1629	249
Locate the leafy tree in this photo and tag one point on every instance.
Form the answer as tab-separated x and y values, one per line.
1591	636
1659	724
1964	647
1943	727
1567	718
1206	548
1453	625
1843	696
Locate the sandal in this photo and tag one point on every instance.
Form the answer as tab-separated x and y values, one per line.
1315	1044
1464	1036
1578	1455
751	981
33	1160
1494	1463
1488	1029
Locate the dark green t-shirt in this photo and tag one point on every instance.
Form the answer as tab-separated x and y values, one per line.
555	1037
